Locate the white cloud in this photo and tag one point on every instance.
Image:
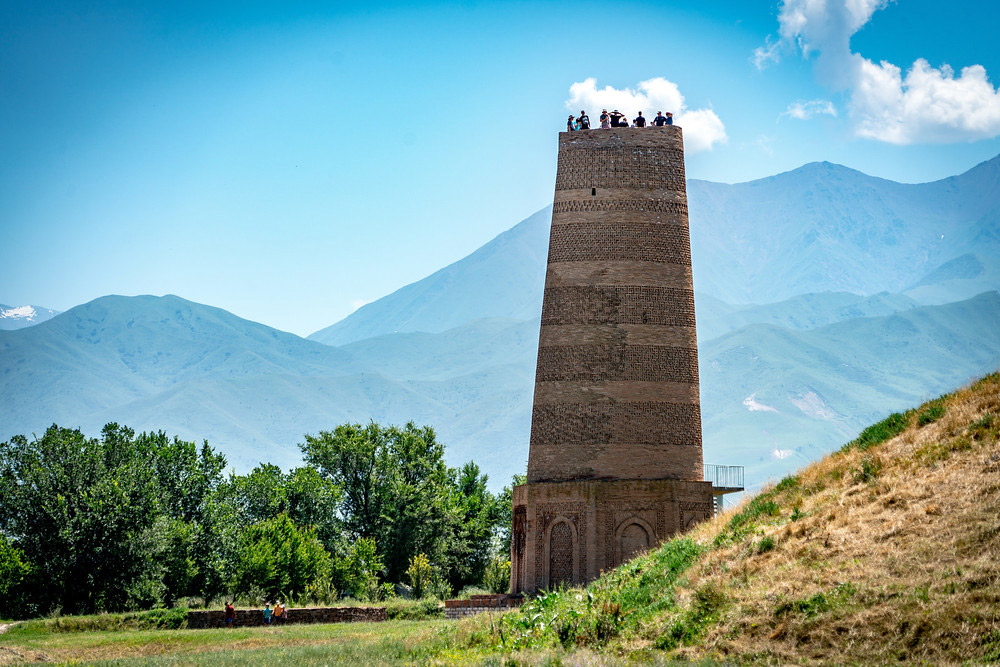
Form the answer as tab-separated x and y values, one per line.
928	104
803	110
764	55
702	127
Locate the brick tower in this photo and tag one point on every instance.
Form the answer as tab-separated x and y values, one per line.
615	463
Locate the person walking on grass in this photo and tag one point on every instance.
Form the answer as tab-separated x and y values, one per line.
230	614
267	614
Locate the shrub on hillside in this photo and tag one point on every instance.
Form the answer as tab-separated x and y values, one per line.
930	415
879	432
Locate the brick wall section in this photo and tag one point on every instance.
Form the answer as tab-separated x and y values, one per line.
600	514
616	383
244	617
478	604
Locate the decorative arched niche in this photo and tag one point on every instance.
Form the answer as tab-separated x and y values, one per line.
560	556
633	536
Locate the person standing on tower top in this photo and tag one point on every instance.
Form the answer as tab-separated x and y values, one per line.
583	121
660	119
571	123
616	119
639	121
670	118
605	120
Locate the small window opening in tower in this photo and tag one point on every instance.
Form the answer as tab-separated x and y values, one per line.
593	191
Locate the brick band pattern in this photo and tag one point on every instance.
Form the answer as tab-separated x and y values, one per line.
646	242
644	423
620	166
667	306
602	363
620	205
615	457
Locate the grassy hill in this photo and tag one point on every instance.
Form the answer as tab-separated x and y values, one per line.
887	550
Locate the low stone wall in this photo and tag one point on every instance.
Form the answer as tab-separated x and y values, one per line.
478	604
244	617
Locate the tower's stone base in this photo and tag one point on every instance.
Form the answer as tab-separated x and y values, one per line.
569	532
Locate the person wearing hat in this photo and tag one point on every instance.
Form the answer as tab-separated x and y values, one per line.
660	119
616	119
605	120
571	123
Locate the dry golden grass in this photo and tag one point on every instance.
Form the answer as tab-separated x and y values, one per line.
894	554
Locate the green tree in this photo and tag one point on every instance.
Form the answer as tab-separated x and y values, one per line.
505	516
356	569
15	573
308	498
280	558
82	510
358	460
398	491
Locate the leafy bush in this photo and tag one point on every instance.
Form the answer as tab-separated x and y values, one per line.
497	576
818	603
930	415
746	520
413	610
419	573
868	471
766	544
154	619
709	601
355	573
281	558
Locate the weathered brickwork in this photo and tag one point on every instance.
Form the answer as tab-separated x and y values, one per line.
639	304
478	604
598	363
614	464
611	520
645	423
626	205
648	242
561	554
217	618
620	167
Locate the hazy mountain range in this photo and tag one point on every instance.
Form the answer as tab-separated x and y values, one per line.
825	299
18	317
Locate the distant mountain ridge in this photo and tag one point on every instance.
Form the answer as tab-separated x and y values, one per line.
202	372
782	380
500	279
18	317
827	227
820	228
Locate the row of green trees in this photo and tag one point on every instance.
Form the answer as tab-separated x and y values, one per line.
129	521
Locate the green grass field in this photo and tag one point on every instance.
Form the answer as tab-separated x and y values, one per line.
393	642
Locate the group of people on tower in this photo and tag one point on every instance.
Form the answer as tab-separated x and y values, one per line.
616	119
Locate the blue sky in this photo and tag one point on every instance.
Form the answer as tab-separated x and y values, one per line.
290	161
